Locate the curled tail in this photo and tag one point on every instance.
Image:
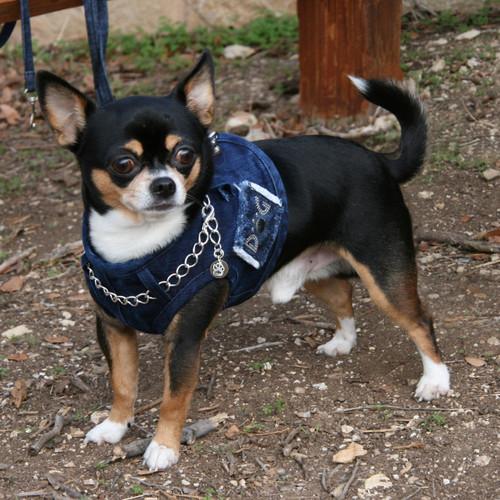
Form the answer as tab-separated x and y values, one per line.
406	106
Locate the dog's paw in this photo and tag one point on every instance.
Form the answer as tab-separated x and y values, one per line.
159	457
430	388
335	347
342	342
106	432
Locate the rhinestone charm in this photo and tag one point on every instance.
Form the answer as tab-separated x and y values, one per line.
219	269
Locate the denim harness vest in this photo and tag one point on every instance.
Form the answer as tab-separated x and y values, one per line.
250	206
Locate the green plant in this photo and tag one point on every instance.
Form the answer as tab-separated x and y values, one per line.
258	365
101	465
253	428
383	413
57	371
275	407
433	422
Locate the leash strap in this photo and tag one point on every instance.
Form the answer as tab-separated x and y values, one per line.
96	17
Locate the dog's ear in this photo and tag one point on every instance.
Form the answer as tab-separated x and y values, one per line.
65	107
196	90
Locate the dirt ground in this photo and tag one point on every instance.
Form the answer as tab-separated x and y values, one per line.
285	411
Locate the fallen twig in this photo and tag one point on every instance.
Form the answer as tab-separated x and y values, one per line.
190	434
351	479
57	484
27	494
258	346
378	407
78	382
64	250
56	430
7	264
458	240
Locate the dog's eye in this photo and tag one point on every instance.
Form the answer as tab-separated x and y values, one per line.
185	157
123	165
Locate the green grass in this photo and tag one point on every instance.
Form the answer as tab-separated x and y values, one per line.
172	40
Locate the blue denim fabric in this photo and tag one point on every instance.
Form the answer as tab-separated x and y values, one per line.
252	212
96	18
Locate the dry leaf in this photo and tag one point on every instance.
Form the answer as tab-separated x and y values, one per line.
377	481
18	357
477	362
13	285
57	340
9	113
19	392
348	455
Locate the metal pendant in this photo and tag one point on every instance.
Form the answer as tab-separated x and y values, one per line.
219	269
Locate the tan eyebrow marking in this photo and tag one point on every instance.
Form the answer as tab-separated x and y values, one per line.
134	146
171	141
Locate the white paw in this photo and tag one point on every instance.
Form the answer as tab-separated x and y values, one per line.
435	381
158	457
342	342
335	347
428	388
106	432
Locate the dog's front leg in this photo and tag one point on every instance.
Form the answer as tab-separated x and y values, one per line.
183	345
119	345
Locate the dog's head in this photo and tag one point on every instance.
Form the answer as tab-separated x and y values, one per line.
141	156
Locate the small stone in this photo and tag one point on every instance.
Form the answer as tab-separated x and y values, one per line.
425	195
321	386
98	416
491	174
346	429
240	123
17	331
468	35
482	460
438	66
233	432
303	414
440	206
238	51
493	341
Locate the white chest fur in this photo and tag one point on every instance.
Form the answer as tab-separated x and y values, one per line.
118	238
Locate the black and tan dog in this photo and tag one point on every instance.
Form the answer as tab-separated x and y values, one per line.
179	225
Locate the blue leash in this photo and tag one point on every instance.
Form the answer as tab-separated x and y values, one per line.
96	17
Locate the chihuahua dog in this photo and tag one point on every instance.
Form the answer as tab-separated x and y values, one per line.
179	224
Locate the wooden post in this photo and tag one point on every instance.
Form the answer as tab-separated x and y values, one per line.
345	37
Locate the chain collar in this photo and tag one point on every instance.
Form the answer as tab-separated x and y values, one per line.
218	269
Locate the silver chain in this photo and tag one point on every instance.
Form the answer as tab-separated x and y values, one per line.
131	300
209	232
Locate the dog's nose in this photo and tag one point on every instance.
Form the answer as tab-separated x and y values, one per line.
163	187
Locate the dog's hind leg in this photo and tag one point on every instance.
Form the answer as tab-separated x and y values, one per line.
119	345
395	292
183	340
336	293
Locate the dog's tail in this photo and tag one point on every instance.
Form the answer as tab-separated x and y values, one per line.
404	103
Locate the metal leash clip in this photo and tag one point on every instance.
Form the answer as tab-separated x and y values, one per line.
32	98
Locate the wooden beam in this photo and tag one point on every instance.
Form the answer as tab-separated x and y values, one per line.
345	37
9	9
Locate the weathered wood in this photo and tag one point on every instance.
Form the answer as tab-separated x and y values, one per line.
345	37
9	9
